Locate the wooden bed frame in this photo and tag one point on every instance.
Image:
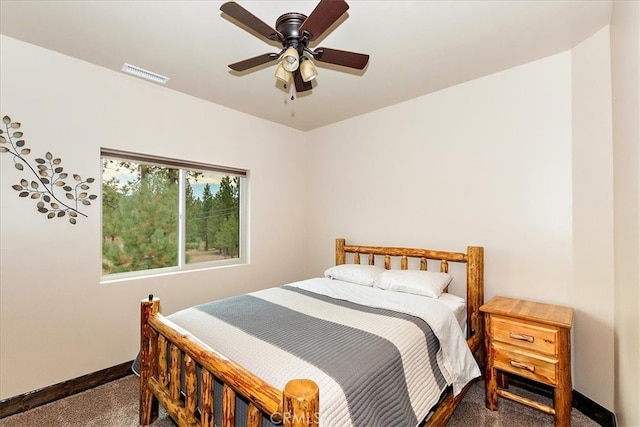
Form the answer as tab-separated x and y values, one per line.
162	340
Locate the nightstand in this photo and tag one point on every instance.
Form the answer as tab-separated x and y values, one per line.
530	340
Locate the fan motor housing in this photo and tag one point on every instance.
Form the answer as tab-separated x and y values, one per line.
288	25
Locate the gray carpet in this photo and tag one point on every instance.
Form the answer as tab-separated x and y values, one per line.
116	405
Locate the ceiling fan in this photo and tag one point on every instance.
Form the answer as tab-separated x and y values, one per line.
295	30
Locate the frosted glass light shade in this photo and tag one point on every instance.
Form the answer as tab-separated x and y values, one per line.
282	74
308	70
290	59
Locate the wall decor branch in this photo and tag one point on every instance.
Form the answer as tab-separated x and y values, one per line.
51	185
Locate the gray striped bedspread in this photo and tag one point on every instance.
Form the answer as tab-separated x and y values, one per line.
380	358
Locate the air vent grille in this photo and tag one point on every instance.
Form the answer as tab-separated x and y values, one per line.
145	74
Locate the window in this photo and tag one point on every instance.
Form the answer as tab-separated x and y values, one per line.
167	215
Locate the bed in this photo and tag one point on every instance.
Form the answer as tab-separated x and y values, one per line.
353	347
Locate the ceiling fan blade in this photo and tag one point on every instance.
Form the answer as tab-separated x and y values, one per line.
253	62
301	85
322	17
341	57
245	17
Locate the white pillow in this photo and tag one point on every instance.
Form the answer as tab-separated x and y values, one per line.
360	274
419	282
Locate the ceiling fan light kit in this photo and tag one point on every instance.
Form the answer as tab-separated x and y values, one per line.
307	69
290	59
295	31
282	74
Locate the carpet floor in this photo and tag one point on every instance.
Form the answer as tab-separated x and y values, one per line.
115	404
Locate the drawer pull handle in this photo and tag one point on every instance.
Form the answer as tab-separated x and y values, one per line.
521	337
521	365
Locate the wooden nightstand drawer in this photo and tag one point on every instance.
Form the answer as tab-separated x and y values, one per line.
541	338
525	364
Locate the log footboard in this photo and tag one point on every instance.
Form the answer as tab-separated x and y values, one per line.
169	357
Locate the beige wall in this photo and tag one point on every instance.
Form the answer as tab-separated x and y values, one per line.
486	162
57	321
592	199
625	54
498	162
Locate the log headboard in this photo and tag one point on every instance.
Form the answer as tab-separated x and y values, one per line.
473	258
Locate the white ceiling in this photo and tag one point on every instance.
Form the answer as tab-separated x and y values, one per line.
416	47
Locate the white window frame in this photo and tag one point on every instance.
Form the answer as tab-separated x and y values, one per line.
182	166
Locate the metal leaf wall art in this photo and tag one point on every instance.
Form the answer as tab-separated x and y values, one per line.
52	184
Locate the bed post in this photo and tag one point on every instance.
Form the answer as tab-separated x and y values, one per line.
340	255
301	404
148	363
475	298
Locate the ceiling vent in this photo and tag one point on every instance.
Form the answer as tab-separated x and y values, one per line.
139	72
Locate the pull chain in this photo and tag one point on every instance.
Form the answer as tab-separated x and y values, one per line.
290	96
